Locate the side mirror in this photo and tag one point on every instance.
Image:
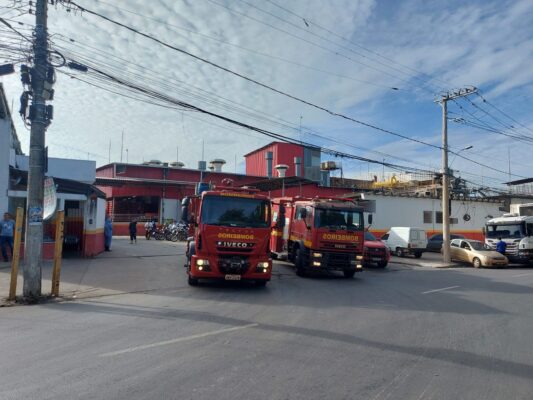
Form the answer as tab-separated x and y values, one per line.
370	219
484	230
303	213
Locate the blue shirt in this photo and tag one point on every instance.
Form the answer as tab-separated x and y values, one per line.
501	246
7	227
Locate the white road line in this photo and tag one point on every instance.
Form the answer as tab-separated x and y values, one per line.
440	290
519	275
177	340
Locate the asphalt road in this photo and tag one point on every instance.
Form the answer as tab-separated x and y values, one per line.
401	333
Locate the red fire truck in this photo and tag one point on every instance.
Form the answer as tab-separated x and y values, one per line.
319	234
231	235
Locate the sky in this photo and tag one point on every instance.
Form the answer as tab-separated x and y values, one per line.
348	56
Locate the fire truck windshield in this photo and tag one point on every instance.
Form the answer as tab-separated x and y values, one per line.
335	218
506	231
235	211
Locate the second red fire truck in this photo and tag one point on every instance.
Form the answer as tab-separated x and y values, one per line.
319	234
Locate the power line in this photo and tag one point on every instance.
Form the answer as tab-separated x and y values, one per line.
271	56
386	65
308	103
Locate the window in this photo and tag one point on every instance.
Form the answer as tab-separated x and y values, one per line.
385	236
438	217
454	243
335	218
454	221
428	217
236	211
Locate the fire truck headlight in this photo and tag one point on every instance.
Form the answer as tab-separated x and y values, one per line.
200	262
262	267
359	257
316	263
317	255
359	266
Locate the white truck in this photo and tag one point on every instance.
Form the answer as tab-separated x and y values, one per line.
515	229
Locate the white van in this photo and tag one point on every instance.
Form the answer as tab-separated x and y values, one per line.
406	240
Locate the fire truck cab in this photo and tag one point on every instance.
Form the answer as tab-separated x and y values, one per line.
231	236
318	234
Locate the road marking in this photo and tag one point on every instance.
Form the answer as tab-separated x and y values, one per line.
177	340
440	290
519	275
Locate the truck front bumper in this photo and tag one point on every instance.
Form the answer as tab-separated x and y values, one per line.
213	267
333	261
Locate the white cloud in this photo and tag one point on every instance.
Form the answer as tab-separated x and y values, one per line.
488	44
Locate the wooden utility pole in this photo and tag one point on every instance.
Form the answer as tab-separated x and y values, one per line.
16	253
58	252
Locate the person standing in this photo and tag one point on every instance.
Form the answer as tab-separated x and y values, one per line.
108	233
133	231
501	246
7	228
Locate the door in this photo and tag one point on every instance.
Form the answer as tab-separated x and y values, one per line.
464	251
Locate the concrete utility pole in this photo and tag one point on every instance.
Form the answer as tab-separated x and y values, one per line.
39	123
443	100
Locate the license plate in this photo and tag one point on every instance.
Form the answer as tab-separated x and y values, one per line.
232	277
376	259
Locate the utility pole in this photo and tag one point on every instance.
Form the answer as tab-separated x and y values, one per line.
443	100
40	115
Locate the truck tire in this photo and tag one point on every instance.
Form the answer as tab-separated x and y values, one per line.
382	264
418	254
261	283
349	273
192	281
399	252
299	262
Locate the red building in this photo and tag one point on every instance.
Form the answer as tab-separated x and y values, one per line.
301	161
154	190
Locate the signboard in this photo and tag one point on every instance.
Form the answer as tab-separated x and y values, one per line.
50	198
35	215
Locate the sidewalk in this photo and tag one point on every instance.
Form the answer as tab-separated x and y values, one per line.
428	260
145	266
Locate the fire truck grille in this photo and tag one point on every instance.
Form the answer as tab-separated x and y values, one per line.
338	260
339	246
233	265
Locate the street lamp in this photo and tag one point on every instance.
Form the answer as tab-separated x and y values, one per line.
457	153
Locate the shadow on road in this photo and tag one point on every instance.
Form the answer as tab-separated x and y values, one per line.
458	357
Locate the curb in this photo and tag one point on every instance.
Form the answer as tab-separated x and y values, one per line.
427	265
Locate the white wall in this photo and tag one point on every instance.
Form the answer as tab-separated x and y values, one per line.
5	147
171	209
77	170
409	211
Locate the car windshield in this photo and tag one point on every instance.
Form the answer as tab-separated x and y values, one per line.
506	231
335	218
235	211
370	237
479	246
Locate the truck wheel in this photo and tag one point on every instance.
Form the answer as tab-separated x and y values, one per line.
399	252
382	264
260	283
349	273
418	254
477	263
299	262
192	281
